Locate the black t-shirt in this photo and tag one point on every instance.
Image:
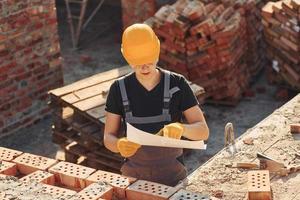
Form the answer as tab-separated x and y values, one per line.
144	103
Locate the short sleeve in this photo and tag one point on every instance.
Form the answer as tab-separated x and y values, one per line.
188	98
114	100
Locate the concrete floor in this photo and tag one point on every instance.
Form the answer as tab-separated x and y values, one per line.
101	44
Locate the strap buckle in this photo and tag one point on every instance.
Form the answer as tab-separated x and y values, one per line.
126	106
167	102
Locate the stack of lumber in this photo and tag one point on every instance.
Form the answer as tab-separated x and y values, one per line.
79	119
281	21
207	42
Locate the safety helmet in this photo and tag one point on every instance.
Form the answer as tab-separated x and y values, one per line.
140	45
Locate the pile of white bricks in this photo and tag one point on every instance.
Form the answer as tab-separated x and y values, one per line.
30	62
24	175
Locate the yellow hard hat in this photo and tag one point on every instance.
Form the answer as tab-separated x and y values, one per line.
140	45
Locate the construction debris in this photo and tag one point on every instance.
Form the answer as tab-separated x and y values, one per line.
282	31
295	128
273	138
248	141
208	43
244	165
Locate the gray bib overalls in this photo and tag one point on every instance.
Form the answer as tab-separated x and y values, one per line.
157	164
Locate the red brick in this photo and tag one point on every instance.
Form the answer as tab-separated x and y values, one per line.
145	190
29	163
70	174
119	183
249	93
295	128
282	94
188	195
95	191
259	185
40	177
8	168
8	154
3	176
57	192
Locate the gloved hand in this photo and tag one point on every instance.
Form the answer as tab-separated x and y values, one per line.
127	148
173	130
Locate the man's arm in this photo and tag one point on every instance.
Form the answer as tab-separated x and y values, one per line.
196	129
112	126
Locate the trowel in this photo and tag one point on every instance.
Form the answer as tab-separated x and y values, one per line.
229	139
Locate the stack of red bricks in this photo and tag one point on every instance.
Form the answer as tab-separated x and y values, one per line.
282	32
255	56
37	177
137	11
29	61
207	43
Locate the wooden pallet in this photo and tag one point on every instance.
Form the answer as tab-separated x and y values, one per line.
79	119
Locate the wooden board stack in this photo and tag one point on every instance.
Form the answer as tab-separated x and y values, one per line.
281	21
208	42
79	119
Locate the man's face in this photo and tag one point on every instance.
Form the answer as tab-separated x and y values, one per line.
145	70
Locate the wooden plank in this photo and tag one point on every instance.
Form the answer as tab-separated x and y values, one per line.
91	129
67	134
77	149
84	126
93	80
82	94
90	103
96	101
103	152
97	112
198	90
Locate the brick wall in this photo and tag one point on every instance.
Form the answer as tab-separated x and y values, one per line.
37	176
30	62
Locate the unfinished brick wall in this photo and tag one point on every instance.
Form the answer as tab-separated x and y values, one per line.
30	62
64	180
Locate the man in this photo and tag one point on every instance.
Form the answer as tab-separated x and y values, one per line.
153	100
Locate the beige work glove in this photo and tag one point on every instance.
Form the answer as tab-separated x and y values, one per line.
173	130
127	148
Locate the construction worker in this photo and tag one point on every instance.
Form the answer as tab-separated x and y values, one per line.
153	100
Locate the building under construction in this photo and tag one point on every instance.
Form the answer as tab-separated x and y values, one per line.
58	60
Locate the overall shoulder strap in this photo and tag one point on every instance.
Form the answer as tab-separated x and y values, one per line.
167	96
125	100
